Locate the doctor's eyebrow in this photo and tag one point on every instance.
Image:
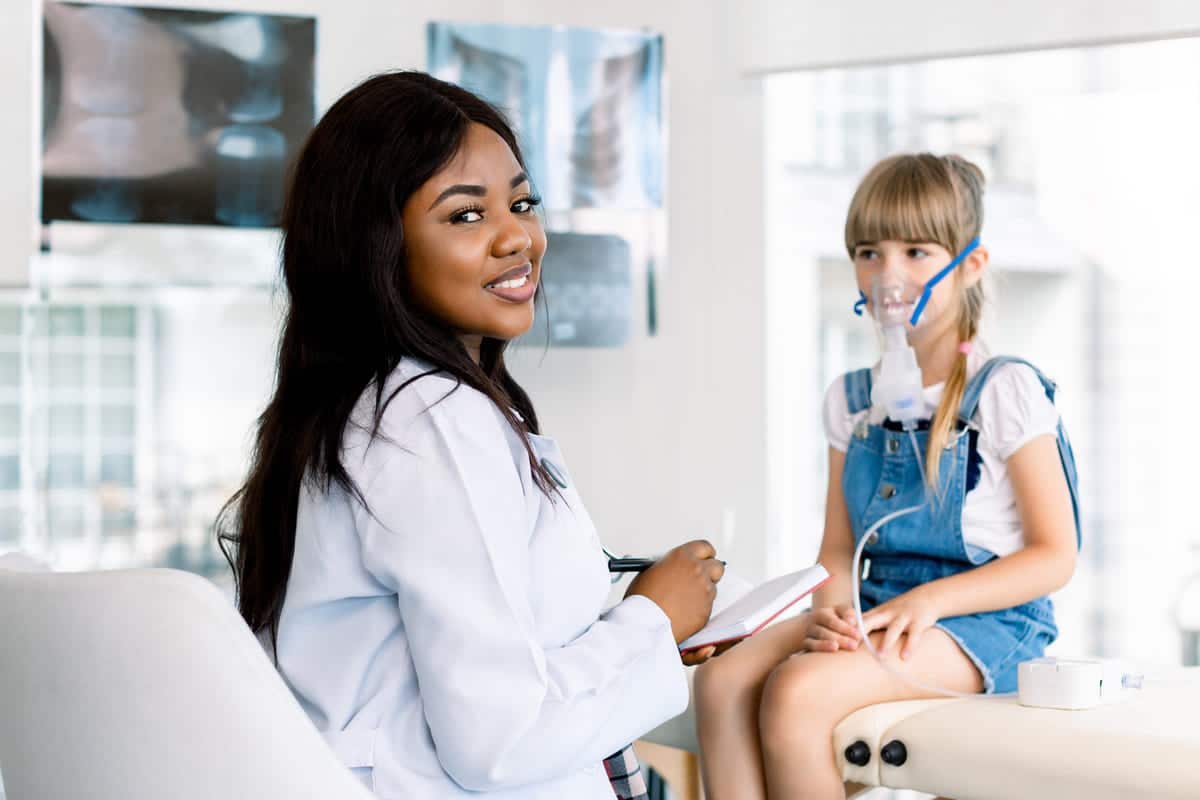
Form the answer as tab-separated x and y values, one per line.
475	190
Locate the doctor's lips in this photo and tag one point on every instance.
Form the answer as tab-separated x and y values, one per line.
515	286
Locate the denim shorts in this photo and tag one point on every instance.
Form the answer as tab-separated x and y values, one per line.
996	641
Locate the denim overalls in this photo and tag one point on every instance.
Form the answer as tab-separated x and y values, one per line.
882	475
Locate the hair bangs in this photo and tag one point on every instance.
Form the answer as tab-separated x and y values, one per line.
903	199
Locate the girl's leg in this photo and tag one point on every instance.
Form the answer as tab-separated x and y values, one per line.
807	695
728	689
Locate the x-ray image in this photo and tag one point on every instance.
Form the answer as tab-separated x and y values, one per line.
587	105
588	286
170	116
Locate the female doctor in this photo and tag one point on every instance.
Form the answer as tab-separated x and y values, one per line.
413	550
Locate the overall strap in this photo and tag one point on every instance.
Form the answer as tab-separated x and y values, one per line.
970	403
858	390
974	389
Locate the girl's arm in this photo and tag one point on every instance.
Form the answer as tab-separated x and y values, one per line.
1047	560
1043	565
837	544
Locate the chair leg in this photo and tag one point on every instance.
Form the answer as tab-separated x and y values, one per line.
678	767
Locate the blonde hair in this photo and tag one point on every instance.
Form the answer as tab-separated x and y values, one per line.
927	198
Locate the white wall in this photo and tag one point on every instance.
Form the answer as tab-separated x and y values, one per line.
664	437
780	35
667	436
19	32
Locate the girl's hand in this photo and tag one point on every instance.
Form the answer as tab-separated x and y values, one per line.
908	615
831	629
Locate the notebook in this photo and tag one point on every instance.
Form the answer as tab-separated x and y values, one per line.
756	608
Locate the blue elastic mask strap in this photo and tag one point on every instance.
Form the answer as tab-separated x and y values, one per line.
860	305
925	295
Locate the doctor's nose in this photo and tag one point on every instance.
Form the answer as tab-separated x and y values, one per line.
511	239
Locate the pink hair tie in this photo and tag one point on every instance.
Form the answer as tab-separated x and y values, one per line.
965	348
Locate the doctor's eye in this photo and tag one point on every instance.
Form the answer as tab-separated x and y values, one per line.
466	215
526	204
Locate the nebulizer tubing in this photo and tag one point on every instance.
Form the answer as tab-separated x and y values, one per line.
855	571
867	538
1140	680
1129	680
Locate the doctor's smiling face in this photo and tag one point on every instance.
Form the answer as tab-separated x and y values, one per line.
474	242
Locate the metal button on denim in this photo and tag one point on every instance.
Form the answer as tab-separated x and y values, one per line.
887	491
893	446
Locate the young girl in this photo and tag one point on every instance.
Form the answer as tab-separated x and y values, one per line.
955	593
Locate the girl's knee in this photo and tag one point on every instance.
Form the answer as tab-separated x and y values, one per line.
718	684
706	681
793	682
795	703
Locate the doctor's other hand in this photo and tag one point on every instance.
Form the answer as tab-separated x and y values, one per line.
683	584
693	658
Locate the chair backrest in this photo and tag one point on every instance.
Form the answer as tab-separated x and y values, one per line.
143	684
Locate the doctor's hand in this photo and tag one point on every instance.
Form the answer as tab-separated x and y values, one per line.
683	584
694	658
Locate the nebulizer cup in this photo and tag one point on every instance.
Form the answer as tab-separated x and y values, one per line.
898	388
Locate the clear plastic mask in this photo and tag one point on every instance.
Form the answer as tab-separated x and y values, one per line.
893	301
897	300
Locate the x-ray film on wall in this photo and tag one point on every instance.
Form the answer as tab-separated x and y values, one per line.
587	280
171	116
586	103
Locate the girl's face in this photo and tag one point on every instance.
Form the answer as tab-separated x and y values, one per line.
474	242
915	264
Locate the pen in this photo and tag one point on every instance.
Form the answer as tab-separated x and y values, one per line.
629	564
632	564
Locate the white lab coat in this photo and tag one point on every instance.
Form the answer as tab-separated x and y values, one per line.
453	641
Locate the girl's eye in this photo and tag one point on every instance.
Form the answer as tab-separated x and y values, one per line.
865	254
526	205
466	215
916	252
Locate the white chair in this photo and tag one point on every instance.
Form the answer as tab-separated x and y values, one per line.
144	685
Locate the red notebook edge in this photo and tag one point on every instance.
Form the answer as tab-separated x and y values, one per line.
765	623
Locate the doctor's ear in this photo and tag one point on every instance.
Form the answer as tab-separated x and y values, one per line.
974	266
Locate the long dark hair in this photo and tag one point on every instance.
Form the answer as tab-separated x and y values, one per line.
351	317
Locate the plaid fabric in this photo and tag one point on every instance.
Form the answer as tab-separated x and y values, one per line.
625	774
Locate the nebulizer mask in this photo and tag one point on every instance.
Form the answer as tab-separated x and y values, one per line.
899	307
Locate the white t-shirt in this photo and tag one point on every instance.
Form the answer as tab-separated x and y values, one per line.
1012	411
